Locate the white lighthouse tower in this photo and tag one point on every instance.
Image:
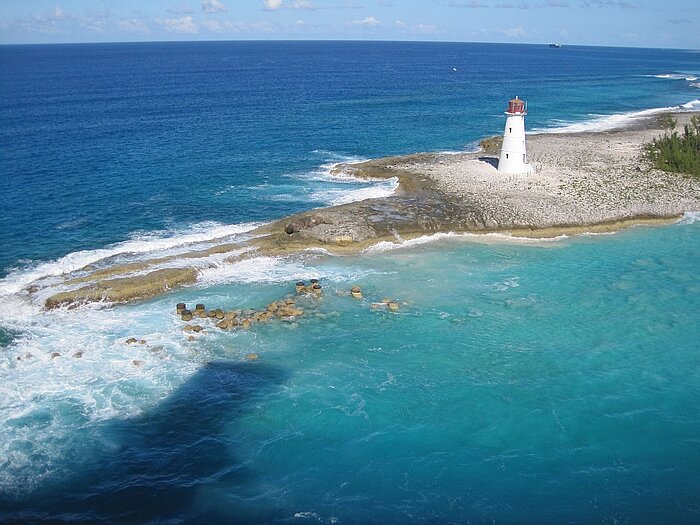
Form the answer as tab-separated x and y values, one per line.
513	157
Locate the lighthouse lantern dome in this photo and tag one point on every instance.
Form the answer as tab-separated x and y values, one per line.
517	107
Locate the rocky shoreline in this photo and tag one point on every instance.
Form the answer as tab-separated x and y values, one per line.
583	182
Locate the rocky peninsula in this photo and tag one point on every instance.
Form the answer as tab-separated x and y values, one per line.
583	182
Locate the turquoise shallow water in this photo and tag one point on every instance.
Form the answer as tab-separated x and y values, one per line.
554	381
520	381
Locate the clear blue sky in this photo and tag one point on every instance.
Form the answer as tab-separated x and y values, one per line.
643	23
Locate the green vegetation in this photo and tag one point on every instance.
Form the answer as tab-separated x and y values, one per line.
674	151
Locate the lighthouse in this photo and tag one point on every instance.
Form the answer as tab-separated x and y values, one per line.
513	157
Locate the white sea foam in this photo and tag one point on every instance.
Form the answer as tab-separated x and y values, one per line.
147	243
335	157
382	189
608	122
47	403
384	246
690	217
506	284
274	270
471	147
327	184
350	188
672	76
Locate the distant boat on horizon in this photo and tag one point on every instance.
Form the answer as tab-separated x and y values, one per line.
555	45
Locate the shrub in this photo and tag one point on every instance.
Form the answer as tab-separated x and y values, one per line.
674	151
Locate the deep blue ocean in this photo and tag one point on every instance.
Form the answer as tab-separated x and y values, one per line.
521	381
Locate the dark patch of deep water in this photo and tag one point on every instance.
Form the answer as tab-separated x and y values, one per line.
151	468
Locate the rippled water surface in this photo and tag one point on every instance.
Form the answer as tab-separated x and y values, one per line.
520	381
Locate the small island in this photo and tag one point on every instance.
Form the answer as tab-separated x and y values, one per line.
581	182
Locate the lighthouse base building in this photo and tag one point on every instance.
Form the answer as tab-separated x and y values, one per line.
513	159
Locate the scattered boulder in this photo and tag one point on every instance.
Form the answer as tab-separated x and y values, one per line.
304	223
137	363
54	355
131	341
200	311
252	357
77	355
491	145
285	309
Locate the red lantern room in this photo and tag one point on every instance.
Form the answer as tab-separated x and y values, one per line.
517	107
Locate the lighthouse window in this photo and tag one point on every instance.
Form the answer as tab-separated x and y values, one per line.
523	157
506	155
510	130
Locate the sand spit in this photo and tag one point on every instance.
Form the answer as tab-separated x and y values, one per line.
583	182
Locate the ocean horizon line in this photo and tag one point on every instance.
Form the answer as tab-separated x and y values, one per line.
342	40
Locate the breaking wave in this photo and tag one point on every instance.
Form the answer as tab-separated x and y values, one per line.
618	120
161	243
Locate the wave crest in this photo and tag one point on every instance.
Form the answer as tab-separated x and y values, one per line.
618	120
